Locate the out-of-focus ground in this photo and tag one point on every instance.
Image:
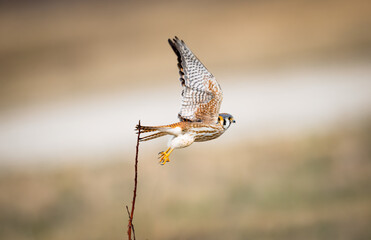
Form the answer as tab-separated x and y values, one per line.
76	77
310	187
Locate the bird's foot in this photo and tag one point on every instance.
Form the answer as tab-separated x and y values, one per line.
164	156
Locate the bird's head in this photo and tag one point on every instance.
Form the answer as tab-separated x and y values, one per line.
226	120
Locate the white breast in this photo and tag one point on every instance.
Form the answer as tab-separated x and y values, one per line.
181	141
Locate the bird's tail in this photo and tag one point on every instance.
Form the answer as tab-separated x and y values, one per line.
147	129
152	136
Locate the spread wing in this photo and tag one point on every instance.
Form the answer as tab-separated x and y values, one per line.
201	94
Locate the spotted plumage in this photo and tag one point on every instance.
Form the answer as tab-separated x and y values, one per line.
199	114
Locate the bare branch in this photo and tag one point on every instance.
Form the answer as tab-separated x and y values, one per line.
132	225
131	215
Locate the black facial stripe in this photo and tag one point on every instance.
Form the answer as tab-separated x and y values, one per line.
224	121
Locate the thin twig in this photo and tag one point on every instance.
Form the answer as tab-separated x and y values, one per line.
131	216
132	225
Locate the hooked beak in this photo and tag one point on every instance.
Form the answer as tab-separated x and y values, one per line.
233	121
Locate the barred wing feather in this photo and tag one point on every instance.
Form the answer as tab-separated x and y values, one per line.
201	94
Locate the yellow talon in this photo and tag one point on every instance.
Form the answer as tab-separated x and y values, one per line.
164	156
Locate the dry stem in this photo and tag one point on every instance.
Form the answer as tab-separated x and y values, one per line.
131	215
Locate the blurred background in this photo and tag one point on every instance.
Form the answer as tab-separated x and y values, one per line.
76	76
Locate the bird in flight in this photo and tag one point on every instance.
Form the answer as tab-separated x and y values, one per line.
199	115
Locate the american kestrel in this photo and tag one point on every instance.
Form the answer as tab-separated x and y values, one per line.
199	115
